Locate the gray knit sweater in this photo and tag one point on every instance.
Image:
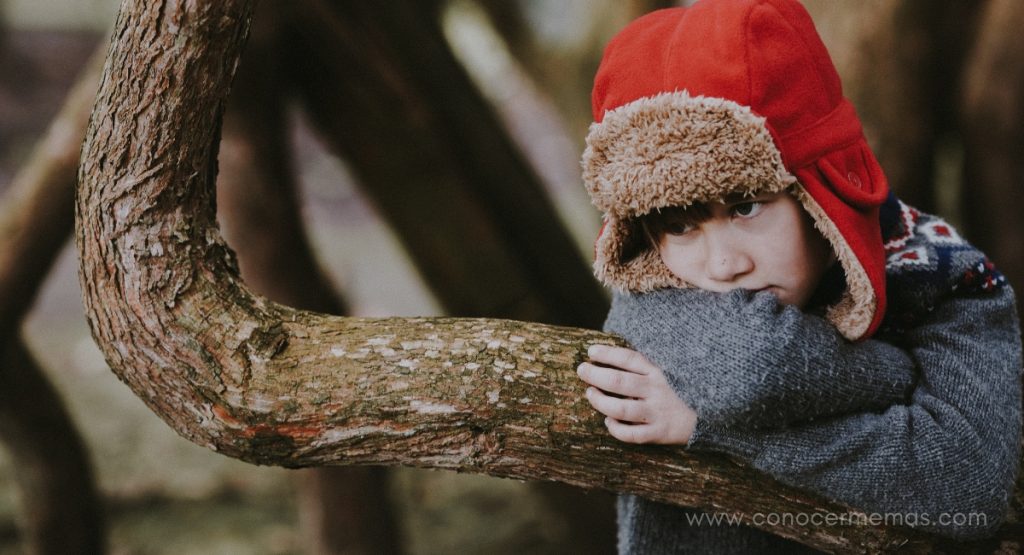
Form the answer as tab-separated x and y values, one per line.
950	446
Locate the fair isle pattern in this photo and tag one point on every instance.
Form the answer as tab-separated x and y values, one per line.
926	261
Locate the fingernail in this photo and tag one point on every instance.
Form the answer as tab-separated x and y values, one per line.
593	350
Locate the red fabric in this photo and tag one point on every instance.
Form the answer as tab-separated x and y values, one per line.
765	54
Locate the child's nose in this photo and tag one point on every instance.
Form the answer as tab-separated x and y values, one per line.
727	260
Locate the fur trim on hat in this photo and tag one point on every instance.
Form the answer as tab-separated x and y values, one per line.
624	259
673	149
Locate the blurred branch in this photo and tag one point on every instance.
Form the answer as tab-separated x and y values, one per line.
992	109
60	505
640	7
36	214
507	19
60	502
564	71
905	82
385	91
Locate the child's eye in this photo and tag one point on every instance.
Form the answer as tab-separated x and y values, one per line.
747	209
678	228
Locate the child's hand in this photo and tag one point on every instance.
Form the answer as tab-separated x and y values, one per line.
643	407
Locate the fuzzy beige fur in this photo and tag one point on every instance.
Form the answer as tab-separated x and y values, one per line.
853	313
673	149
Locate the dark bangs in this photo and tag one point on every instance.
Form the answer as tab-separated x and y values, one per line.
673	219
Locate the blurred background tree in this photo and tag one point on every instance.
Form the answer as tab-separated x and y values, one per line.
939	85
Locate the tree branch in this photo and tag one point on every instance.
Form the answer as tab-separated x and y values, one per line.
59	499
273	385
991	103
36	216
434	159
61	507
341	509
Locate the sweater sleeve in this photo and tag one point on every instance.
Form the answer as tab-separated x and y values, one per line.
743	359
946	461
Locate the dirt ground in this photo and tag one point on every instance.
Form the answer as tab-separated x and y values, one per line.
164	495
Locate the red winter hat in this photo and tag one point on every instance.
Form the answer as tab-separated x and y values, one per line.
691	104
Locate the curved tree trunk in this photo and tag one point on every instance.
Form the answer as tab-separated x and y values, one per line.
274	385
59	498
344	509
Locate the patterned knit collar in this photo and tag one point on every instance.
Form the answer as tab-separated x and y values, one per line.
926	261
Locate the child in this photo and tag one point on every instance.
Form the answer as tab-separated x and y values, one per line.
790	311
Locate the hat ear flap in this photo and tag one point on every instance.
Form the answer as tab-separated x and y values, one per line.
623	260
854	175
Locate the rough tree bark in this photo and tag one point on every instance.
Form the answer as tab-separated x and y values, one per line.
342	509
60	504
274	385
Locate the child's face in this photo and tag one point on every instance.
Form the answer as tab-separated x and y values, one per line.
764	242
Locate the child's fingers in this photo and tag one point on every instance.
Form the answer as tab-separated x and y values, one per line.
620	357
612	380
628	410
629	433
